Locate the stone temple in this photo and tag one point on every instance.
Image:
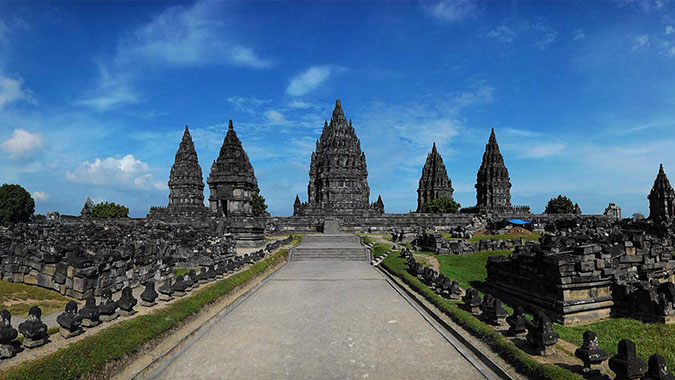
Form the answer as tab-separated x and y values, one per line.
232	181
434	182
493	185
338	176
186	186
661	198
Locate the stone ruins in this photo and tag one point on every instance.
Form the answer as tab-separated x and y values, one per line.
434	182
338	175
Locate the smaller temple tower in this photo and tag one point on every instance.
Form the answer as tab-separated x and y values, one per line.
493	186
186	184
661	198
232	181
434	182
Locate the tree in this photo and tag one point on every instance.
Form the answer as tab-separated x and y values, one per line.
560	205
442	205
16	204
109	210
259	206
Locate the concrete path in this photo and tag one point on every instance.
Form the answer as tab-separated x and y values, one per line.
321	320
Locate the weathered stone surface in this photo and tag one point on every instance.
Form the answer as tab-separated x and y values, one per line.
33	329
7	335
626	365
434	182
661	198
540	334
90	313
70	321
149	294
338	176
517	321
590	352
493	185
232	181
127	302
658	369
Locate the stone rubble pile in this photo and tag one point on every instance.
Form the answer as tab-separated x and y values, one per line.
589	269
81	257
73	321
435	242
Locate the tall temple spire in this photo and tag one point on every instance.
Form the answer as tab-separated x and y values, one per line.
661	198
493	186
434	182
186	185
338	175
232	181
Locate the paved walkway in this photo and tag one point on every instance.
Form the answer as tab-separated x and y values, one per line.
322	320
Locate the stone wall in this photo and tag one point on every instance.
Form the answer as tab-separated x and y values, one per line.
411	222
435	242
589	269
80	256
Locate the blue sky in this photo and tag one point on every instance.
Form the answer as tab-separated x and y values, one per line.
94	96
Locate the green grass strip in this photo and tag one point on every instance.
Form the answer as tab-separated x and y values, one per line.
499	344
91	355
380	249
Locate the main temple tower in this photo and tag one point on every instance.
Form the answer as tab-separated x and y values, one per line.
338	176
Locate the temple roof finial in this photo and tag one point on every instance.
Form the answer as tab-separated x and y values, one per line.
230	126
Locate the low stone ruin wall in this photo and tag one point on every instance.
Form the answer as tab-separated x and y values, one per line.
77	256
587	270
370	224
435	242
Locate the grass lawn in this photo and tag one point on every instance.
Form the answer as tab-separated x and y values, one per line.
467	269
649	338
380	249
183	271
502	346
368	239
18	298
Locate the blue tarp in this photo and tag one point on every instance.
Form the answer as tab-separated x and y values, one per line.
518	221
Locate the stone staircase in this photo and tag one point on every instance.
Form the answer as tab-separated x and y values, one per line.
330	247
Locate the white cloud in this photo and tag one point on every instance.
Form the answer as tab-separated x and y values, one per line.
579	35
301	104
40	195
22	144
540	34
541	150
193	35
247	104
502	33
275	116
451	10
308	80
126	172
521	132
640	41
11	90
478	92
669	30
546	35
181	36
113	90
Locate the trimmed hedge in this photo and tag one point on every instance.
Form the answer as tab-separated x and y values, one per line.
91	355
501	345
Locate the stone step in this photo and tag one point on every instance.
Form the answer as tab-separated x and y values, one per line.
334	238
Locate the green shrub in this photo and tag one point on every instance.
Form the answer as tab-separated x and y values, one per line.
559	205
16	204
109	210
259	205
441	206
